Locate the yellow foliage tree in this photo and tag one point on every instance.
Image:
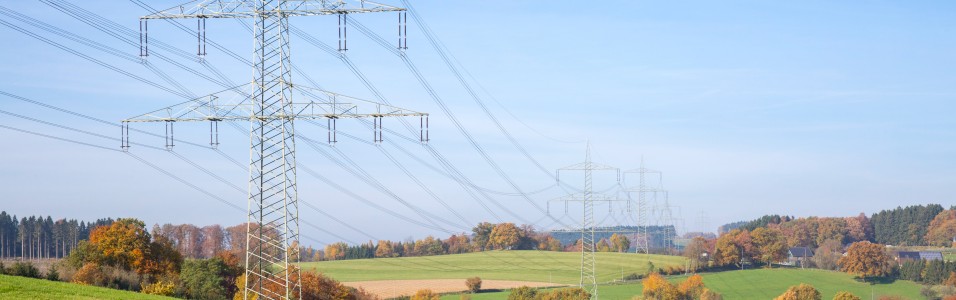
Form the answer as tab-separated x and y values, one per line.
770	244
692	287
800	292
844	295
504	236
426	294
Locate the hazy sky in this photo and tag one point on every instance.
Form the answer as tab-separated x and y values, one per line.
747	107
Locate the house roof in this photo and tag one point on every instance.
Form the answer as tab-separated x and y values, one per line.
927	255
801	252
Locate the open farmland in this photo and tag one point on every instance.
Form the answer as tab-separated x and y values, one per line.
763	284
538	266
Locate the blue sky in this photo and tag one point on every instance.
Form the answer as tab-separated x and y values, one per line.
748	107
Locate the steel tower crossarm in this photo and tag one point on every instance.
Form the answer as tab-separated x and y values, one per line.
272	239
239	9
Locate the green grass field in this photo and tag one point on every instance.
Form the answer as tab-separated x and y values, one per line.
540	266
762	284
12	287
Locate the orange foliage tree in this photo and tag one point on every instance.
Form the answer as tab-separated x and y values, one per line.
656	287
865	259
800	292
127	245
942	229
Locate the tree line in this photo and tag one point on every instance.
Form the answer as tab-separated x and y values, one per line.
38	237
485	236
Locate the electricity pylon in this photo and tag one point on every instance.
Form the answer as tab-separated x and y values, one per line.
588	278
642	189
272	237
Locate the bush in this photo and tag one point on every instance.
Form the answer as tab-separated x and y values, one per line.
844	295
522	293
473	284
633	276
708	294
24	269
3	269
564	294
426	294
464	297
161	288
90	274
52	274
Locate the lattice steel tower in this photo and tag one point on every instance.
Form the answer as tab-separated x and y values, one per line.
588	277
273	219
642	189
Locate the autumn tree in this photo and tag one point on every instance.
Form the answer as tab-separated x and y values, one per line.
859	228
620	243
482	234
694	252
844	295
942	229
384	249
692	287
335	251
828	255
865	259
733	248
603	246
770	245
656	287
831	229
549	243
800	292
125	244
504	236
457	244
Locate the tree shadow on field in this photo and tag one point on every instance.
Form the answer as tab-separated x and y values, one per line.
877	280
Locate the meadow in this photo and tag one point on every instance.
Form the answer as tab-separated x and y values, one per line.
761	284
12	287
525	265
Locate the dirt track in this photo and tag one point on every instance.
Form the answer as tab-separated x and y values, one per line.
395	288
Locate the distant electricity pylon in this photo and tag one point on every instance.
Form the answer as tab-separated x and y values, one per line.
272	239
642	240
588	277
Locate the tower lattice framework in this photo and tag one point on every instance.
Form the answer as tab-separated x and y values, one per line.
272	239
588	263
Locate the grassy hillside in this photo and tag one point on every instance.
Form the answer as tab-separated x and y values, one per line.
764	284
12	287
541	266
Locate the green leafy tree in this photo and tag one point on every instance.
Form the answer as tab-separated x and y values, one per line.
482	235
203	279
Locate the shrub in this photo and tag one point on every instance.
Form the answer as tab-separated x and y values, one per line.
426	294
3	269
708	294
633	276
90	274
473	284
24	269
52	274
844	295
464	297
564	294
202	279
522	293
800	292
162	288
